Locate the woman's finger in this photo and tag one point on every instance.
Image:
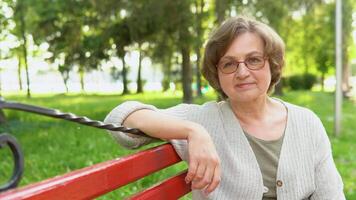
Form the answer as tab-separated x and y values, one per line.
198	175
191	171
200	171
207	178
215	181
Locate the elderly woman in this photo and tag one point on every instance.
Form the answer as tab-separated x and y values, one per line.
250	145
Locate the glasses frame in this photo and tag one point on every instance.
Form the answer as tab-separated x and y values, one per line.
244	62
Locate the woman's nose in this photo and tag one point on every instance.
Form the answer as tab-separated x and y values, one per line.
242	71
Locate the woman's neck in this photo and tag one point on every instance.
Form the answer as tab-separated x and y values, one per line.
256	109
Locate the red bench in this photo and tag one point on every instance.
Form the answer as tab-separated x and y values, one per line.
99	179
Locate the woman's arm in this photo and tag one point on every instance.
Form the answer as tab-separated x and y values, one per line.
159	125
118	115
204	164
204	169
328	181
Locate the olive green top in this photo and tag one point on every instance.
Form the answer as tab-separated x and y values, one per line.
267	155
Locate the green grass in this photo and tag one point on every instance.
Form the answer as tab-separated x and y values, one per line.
53	147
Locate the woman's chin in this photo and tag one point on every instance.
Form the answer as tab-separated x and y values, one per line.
246	96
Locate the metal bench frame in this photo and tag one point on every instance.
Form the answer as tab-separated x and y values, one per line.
98	179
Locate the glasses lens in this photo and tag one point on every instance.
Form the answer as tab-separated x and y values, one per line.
228	67
255	62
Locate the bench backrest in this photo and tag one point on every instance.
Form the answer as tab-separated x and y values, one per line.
99	179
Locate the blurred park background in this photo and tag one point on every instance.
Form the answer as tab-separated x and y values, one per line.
87	56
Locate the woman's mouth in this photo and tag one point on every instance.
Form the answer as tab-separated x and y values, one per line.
244	85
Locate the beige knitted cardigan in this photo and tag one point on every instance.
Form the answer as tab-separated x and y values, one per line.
306	168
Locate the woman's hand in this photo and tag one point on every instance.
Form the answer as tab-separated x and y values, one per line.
204	162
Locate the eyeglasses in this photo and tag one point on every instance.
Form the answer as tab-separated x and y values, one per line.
230	65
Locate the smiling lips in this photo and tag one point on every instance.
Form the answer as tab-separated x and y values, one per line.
244	85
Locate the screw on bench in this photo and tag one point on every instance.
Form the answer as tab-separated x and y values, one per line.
67	116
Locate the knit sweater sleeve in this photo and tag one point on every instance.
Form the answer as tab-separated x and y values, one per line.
328	181
121	112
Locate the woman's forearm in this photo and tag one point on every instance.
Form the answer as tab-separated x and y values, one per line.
204	163
160	125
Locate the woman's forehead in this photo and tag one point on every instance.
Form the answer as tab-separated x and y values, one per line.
252	53
245	44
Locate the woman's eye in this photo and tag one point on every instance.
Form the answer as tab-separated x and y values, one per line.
229	64
253	60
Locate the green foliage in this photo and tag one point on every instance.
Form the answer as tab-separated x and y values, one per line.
295	82
53	147
85	34
309	81
301	81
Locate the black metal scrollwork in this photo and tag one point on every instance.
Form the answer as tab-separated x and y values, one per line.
8	140
67	116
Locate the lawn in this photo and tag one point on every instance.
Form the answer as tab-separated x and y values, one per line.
53	147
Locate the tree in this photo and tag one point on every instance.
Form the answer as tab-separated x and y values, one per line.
184	44
70	29
221	6
178	25
200	16
56	24
4	22
173	35
143	24
162	52
20	9
324	42
119	33
347	10
164	43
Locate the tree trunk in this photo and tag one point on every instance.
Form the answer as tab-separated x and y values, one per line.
199	15
65	77
27	74
124	77
186	75
139	80
81	77
197	74
167	73
220	8
66	85
19	73
24	47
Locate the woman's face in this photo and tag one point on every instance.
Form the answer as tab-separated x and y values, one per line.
245	85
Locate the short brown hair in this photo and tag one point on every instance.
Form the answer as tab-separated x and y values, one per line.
223	36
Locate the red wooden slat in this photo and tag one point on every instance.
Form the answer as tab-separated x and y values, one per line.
96	180
172	188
